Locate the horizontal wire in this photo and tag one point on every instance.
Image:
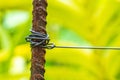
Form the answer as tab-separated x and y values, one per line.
42	40
84	47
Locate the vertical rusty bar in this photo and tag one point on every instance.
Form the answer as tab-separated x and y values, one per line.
38	53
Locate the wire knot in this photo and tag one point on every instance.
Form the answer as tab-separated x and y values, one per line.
39	39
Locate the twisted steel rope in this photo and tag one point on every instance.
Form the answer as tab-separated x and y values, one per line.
38	53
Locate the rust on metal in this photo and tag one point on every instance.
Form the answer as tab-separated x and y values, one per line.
38	53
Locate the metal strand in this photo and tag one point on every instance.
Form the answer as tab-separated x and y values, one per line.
87	47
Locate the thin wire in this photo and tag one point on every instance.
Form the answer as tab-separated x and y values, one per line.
42	40
87	47
52	45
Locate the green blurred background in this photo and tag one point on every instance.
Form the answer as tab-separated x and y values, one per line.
70	22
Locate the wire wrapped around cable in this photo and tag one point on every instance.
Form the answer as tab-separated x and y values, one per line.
42	40
38	39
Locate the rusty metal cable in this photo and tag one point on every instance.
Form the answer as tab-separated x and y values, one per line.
39	26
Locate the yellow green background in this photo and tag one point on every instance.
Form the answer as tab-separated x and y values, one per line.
69	23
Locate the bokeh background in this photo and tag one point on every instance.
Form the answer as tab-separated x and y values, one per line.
69	23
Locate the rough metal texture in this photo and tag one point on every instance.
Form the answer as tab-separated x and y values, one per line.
38	53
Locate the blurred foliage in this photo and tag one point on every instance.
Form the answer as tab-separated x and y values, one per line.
70	22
